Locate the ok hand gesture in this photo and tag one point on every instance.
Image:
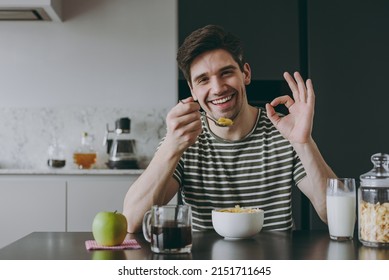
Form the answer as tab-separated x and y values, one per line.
297	125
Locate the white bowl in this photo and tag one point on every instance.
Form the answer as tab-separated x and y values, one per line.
237	225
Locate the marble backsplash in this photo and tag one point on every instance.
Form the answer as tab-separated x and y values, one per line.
26	133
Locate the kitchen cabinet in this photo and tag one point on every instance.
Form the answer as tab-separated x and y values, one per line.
86	196
59	201
28	204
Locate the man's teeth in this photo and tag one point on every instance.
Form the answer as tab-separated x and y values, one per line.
222	100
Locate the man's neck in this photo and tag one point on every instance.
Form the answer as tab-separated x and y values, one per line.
243	125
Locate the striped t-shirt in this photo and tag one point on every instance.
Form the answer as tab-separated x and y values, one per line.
256	171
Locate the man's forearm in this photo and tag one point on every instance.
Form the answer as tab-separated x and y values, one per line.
317	173
152	187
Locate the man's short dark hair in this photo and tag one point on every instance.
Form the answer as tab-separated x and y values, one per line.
208	38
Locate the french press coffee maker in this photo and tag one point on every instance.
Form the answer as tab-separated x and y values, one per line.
120	147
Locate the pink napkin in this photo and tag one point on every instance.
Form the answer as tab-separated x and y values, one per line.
127	244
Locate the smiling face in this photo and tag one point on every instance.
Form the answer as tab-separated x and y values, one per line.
218	84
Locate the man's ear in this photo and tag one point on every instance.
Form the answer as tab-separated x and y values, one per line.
247	74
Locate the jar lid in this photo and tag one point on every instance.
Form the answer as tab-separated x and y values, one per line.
379	175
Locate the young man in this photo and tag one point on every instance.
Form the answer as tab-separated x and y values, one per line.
253	163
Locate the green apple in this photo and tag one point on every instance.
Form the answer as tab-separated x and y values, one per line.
109	228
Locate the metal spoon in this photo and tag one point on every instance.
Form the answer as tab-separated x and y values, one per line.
222	122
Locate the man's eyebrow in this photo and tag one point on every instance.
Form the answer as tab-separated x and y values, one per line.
228	67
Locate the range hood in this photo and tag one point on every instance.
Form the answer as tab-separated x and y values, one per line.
49	10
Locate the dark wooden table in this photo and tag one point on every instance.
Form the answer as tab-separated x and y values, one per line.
296	245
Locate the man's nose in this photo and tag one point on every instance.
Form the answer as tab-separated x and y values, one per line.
216	85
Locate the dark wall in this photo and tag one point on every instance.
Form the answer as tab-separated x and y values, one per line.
268	29
348	43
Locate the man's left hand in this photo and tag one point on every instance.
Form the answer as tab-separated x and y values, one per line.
297	125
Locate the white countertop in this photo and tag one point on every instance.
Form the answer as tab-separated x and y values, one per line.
69	171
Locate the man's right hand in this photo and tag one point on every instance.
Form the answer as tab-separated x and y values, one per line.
183	125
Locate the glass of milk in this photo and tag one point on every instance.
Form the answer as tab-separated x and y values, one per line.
341	208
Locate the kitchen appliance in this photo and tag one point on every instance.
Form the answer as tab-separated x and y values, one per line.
46	10
120	147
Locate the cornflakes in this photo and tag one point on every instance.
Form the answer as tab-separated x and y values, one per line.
374	222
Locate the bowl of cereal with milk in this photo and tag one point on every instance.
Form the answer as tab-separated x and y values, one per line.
237	222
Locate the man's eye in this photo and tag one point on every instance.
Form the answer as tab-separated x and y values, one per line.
202	80
227	73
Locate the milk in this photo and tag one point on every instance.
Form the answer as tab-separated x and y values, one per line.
341	215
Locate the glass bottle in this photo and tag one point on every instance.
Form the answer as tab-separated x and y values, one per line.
373	204
56	155
85	155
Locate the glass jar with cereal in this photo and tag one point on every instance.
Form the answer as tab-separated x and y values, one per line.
373	204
